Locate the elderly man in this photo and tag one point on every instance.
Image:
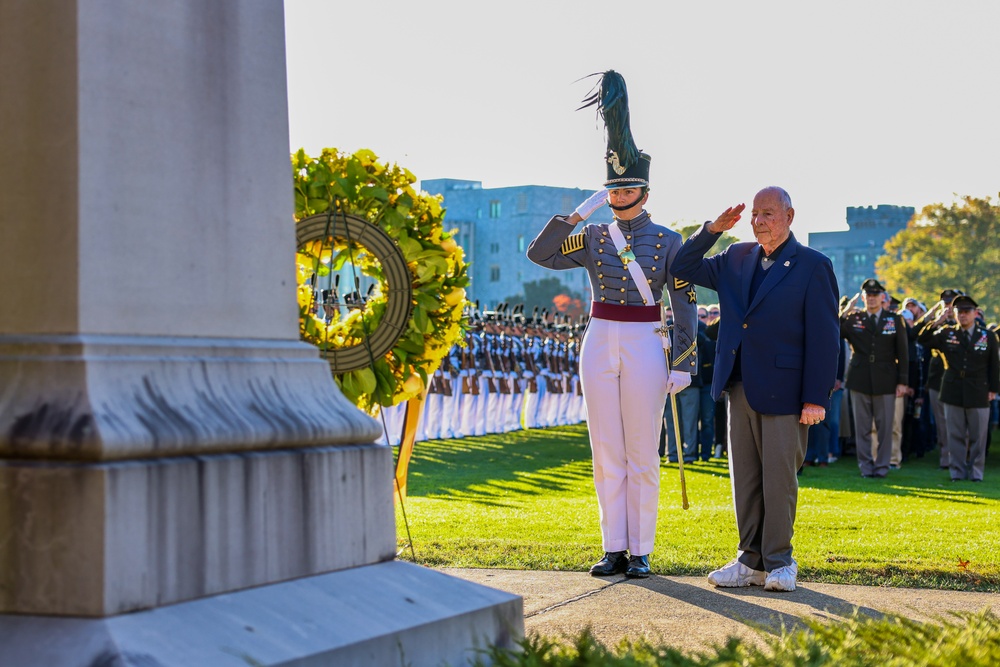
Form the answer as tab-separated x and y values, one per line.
777	359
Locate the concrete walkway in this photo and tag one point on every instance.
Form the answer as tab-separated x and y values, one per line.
688	612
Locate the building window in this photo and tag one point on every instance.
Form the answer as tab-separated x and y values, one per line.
495	208
494	274
520	243
494	248
522	202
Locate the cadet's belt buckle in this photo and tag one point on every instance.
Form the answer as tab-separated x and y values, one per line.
626	255
871	358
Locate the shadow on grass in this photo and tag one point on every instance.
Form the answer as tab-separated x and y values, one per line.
920	478
492	470
751	605
487	469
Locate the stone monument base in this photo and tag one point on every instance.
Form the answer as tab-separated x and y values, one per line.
384	615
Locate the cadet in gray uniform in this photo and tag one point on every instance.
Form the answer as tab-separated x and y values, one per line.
622	365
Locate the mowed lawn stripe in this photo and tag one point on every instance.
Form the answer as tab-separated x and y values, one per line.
525	500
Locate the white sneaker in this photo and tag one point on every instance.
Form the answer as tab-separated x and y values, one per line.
782	579
831	458
718	451
735	574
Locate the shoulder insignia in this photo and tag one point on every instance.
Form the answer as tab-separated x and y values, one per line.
572	244
680	284
692	295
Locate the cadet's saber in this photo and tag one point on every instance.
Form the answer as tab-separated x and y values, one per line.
680	450
665	332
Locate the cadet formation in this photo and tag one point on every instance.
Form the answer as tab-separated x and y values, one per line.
510	372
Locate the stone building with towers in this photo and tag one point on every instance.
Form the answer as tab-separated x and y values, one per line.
495	226
854	252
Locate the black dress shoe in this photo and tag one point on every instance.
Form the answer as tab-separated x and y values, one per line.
614	562
638	567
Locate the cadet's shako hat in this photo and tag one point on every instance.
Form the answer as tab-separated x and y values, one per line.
872	286
627	166
962	301
949	294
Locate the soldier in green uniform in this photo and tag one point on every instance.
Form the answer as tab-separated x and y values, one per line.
971	380
876	376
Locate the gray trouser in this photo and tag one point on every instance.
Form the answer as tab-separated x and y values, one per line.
881	408
940	425
966	440
765	453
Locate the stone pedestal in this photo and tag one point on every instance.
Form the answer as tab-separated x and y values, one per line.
181	483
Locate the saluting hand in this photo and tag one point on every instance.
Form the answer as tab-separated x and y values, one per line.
727	220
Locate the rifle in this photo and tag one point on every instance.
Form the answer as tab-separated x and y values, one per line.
489	359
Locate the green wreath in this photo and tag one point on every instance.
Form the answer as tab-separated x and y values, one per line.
359	185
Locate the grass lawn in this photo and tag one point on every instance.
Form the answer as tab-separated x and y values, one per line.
525	500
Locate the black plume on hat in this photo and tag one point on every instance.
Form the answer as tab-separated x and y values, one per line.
611	98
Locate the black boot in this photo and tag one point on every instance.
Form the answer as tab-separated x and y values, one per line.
638	567
614	562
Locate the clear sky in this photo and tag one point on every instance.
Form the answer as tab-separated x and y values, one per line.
848	103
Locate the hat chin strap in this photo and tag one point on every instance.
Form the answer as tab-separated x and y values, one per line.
627	206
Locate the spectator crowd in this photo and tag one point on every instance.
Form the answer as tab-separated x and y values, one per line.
912	381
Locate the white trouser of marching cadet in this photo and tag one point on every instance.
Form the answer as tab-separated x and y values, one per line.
493	398
467	404
624	376
482	405
529	413
450	412
562	403
512	413
554	400
430	422
577	411
503	402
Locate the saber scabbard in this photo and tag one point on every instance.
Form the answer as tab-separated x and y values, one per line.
664	331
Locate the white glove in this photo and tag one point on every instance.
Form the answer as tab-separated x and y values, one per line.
678	381
594	202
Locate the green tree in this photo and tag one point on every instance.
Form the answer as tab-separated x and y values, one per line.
955	245
705	295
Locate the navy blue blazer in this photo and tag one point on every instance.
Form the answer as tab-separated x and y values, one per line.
790	332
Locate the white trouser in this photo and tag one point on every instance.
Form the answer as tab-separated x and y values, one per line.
624	375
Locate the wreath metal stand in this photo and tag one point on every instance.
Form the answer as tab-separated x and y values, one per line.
390	329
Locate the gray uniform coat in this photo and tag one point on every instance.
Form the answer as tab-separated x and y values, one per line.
558	247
